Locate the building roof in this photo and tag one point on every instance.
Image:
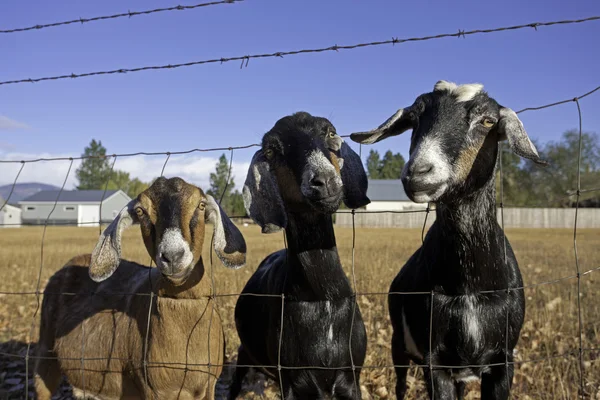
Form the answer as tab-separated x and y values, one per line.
9	207
74	196
386	190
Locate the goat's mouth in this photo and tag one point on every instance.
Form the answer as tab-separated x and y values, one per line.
178	276
328	204
424	192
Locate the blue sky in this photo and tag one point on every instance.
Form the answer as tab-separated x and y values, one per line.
222	105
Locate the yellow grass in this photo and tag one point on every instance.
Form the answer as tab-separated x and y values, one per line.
550	334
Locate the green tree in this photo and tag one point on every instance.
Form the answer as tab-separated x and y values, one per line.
121	180
391	166
528	184
220	186
559	178
136	187
373	164
93	172
237	204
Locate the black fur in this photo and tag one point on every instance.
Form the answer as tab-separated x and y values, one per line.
308	280
465	261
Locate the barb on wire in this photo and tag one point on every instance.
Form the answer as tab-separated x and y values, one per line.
280	54
128	14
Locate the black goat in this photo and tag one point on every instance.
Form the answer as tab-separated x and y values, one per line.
462	261
296	181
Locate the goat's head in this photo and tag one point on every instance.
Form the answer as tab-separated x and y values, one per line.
303	166
172	215
454	144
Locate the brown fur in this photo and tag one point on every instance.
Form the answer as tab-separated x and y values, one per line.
466	159
97	334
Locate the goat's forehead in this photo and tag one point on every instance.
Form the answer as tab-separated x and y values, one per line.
295	141
171	194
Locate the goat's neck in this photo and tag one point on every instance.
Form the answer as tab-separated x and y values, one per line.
469	244
471	216
315	271
197	285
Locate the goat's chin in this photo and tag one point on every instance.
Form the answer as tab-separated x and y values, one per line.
428	196
178	278
327	205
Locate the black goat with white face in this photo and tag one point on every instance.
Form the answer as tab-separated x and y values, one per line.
453	152
296	181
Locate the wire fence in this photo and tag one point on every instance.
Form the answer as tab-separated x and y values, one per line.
577	353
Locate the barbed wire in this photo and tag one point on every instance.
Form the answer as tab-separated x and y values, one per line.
280	54
128	14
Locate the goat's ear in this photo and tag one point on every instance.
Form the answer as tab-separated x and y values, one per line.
354	178
261	196
394	125
229	243
510	127
107	253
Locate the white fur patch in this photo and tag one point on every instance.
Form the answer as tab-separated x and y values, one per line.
471	320
467	379
409	343
257	176
429	151
330	331
462	93
317	163
440	86
173	241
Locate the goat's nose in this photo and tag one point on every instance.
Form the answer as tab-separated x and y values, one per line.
318	182
421	169
172	257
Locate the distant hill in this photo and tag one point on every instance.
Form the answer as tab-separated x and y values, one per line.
24	190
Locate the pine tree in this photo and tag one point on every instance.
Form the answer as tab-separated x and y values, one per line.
220	186
93	172
373	165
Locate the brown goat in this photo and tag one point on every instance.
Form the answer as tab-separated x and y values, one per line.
150	333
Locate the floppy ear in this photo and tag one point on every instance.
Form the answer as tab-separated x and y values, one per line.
394	125
510	127
261	196
229	243
354	178
107	253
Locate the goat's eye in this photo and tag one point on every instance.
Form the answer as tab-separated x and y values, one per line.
331	134
487	122
202	206
139	211
269	154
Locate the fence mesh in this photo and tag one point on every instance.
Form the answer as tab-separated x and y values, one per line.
577	353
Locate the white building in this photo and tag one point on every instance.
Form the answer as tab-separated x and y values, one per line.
10	216
73	207
389	195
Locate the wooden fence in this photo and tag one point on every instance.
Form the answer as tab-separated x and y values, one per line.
513	218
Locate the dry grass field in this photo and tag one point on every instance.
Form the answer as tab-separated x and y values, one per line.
547	358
